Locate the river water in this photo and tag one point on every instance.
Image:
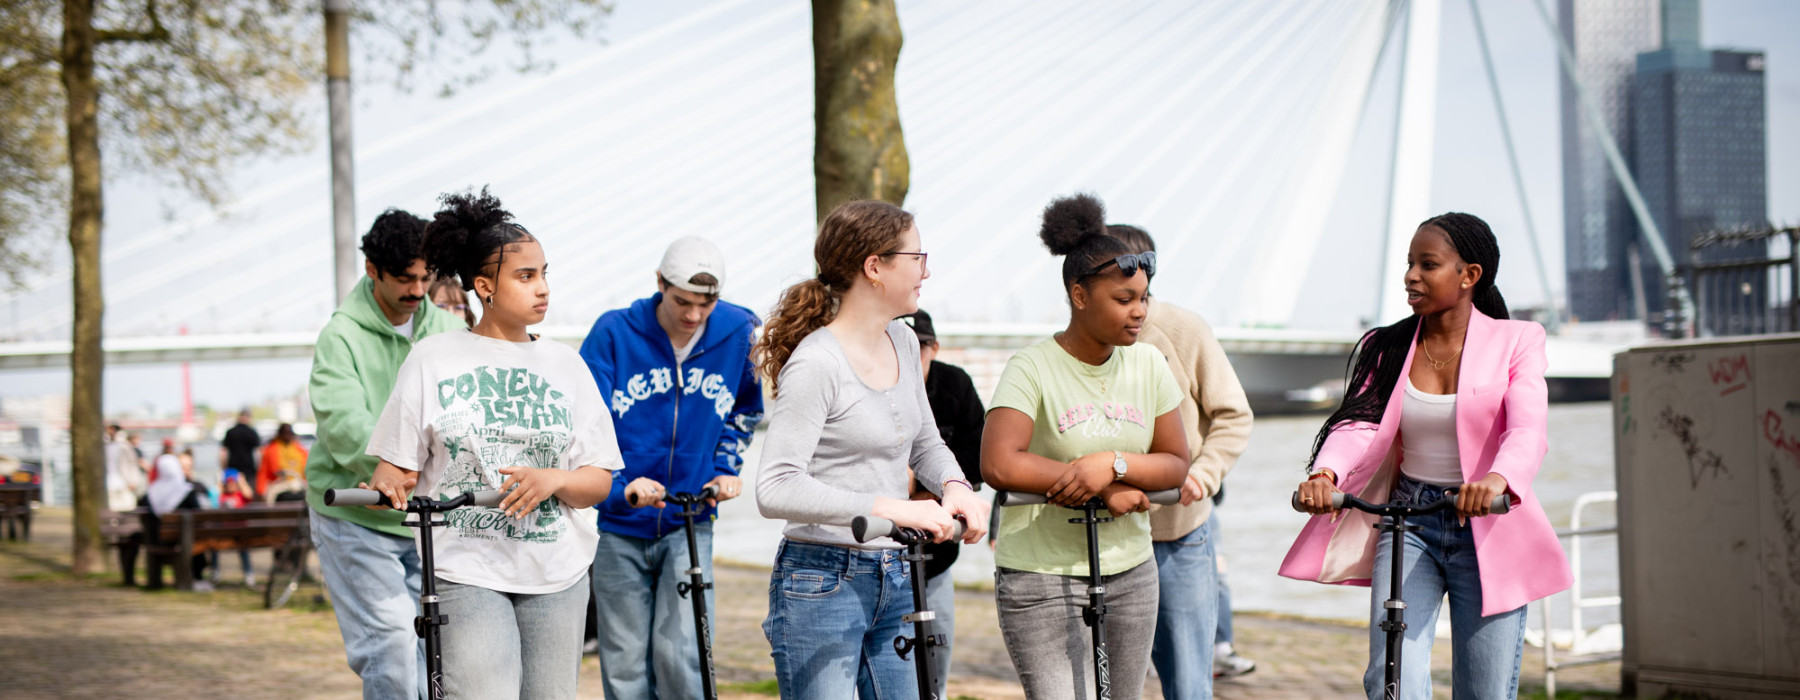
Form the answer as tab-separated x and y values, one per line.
1258	525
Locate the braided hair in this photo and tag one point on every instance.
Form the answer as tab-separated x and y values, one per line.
469	235
1075	228
1377	358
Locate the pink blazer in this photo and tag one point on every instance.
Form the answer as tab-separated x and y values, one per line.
1502	408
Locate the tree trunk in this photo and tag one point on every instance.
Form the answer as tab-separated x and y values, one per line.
86	441
859	151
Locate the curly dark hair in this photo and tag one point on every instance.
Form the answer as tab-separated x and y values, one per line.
392	244
468	236
1075	228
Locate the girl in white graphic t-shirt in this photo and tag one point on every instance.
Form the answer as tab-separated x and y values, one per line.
493	408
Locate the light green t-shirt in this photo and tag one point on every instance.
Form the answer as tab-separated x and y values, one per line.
1078	409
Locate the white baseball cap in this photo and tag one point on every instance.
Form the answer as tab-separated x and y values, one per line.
689	256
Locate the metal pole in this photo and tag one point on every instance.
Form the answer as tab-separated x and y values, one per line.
1674	323
1512	156
343	181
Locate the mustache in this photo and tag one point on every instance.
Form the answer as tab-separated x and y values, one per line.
411	299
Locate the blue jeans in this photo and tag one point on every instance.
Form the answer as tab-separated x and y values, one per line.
517	646
940	597
1187	612
1439	559
373	579
1218	545
646	629
833	615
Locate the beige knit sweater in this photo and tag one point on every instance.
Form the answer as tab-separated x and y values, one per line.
1213	409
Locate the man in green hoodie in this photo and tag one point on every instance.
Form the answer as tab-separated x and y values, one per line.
371	566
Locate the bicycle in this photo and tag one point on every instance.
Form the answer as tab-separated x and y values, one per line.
1395	624
288	567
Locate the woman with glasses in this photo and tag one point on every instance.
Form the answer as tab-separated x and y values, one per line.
1086	414
448	295
850	416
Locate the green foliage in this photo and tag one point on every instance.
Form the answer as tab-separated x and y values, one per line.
764	687
31	148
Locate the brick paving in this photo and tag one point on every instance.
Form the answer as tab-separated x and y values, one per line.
67	638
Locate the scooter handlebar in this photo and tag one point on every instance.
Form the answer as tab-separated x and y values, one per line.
1166	497
371	497
710	491
1502	503
869	527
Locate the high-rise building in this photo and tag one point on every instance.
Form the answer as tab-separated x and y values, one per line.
1699	149
1606	37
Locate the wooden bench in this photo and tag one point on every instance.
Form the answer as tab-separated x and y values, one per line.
15	509
185	533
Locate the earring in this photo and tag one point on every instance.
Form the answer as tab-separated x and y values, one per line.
490	300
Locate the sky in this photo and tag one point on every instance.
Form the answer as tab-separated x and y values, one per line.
1336	283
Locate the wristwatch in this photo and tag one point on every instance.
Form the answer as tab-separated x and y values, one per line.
1118	465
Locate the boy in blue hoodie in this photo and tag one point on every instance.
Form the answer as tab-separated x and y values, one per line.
676	370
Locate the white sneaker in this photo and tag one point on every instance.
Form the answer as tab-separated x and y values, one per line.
1226	662
203	587
590	647
250	580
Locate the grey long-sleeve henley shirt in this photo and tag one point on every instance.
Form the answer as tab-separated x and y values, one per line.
835	445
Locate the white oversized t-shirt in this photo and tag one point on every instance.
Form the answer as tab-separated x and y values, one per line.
466	405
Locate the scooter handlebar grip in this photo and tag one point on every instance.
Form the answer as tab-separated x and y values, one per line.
1021	498
356	497
487	499
870	527
1337	501
1165	497
711	491
1502	503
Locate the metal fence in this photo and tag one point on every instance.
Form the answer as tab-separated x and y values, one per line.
1745	282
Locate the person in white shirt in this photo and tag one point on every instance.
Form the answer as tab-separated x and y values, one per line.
495	408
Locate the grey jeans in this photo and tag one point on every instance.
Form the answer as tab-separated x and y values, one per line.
1050	646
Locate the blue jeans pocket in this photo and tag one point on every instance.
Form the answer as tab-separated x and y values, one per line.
810	584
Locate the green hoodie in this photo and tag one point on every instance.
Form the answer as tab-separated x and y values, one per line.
354	365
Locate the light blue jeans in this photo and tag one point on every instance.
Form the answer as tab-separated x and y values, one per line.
373	579
1439	559
646	630
1187	612
511	646
1218	545
940	596
833	615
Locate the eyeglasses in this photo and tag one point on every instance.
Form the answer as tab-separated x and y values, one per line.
921	255
454	307
1129	264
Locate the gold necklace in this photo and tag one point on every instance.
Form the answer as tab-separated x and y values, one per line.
1435	363
1065	347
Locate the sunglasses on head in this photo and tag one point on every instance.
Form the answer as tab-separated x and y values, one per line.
1129	264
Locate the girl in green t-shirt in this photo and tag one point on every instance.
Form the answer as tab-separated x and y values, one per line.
1087	414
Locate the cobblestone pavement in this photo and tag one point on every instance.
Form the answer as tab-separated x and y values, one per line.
67	638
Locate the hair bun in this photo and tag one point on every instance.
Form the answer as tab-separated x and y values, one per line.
462	216
1069	219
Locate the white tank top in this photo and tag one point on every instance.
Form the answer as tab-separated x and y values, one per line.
1428	438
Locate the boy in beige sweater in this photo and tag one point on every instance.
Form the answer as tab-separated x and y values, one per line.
1218	417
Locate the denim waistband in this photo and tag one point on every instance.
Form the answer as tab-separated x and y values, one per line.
795	554
1408	491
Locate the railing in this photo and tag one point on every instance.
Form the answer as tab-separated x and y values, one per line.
1581	641
1740	287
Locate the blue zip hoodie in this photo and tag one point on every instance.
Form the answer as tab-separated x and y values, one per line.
681	429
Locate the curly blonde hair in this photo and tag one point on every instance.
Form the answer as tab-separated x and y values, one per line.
849	235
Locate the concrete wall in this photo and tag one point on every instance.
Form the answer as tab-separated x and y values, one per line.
1708	459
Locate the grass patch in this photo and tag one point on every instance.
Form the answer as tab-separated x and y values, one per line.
765	687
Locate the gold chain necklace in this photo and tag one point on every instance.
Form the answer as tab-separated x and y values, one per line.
1435	363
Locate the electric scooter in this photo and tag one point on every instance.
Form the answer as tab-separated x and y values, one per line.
696	586
1394	521
1094	615
924	642
427	623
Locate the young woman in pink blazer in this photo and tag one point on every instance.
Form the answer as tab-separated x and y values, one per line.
1469	412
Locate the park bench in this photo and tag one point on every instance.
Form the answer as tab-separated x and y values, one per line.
15	509
185	533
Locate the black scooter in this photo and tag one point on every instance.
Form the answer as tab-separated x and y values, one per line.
427	623
1395	522
924	642
695	587
1095	612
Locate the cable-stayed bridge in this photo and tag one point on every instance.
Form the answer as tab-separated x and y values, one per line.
1223	128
